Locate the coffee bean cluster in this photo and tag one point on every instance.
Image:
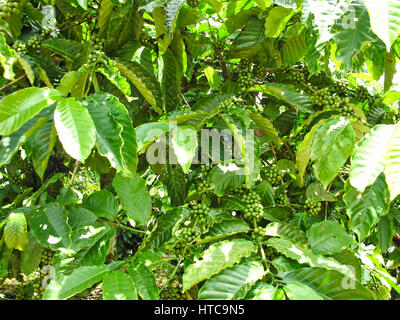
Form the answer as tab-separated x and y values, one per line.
15	180
146	40
274	175
324	98
46	32
346	111
38	291
193	3
70	16
9	9
34	43
27	167
259	71
254	209
340	87
96	50
47	257
227	105
258	234
282	200
20	47
312	207
179	248
271	253
196	223
204	187
361	94
245	75
297	76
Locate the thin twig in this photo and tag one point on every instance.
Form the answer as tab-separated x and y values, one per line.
273	152
184	99
12	83
290	150
76	168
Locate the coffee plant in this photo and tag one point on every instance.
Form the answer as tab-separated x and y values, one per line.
199	150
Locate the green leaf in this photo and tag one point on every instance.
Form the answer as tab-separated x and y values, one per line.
225	228
294	49
111	72
285	230
351	37
261	291
117	285
250	39
104	15
160	21
267	193
212	77
390	69
165	224
170	81
365	208
301	255
43	142
125	23
28	69
332	145
386	232
150	5
66	286
75	128
225	177
267	127
9	145
304	151
328	237
144	281
368	160
277	20
108	132
385	20
83	4
215	259
135	199
88	236
31	256
325	13
232	283
315	191
69	49
50	227
174	179
184	144
171	12
148	132
392	163
287	94
20	106
79	217
144	81
15	231
299	291
103	204
277	214
7	58
330	284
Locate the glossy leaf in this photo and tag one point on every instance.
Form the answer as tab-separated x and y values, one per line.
215	259
75	128
19	107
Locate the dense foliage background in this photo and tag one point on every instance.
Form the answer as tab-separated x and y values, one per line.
307	209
